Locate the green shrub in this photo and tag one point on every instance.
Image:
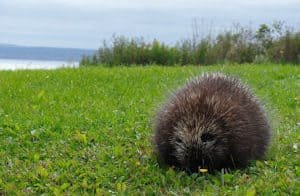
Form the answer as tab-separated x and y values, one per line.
269	43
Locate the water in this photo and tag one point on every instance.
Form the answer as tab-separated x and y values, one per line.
17	64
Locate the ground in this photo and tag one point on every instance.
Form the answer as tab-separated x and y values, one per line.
88	130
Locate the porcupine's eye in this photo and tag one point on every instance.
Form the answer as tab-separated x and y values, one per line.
178	140
207	137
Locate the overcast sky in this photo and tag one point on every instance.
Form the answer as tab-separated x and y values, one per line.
85	23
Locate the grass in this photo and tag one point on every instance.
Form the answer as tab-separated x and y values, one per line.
88	130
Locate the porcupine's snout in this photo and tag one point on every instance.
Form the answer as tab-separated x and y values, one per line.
201	151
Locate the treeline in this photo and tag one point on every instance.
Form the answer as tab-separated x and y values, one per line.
268	43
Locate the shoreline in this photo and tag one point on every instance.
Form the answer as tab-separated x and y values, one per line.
25	64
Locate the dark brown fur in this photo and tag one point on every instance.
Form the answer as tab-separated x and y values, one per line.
213	122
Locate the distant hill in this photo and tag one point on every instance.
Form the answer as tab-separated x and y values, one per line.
8	51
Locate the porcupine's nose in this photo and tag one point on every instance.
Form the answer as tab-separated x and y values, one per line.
194	159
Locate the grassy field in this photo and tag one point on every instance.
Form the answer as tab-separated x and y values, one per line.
89	130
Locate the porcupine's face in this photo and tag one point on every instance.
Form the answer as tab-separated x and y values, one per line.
205	149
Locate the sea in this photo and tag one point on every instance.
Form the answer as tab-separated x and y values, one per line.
19	64
16	57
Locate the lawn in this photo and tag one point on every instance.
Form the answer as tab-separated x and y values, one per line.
88	130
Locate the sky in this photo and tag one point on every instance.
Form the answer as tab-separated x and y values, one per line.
86	23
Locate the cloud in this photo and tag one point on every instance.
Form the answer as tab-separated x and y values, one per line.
123	4
78	23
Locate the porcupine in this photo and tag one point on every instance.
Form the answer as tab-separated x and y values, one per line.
213	122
